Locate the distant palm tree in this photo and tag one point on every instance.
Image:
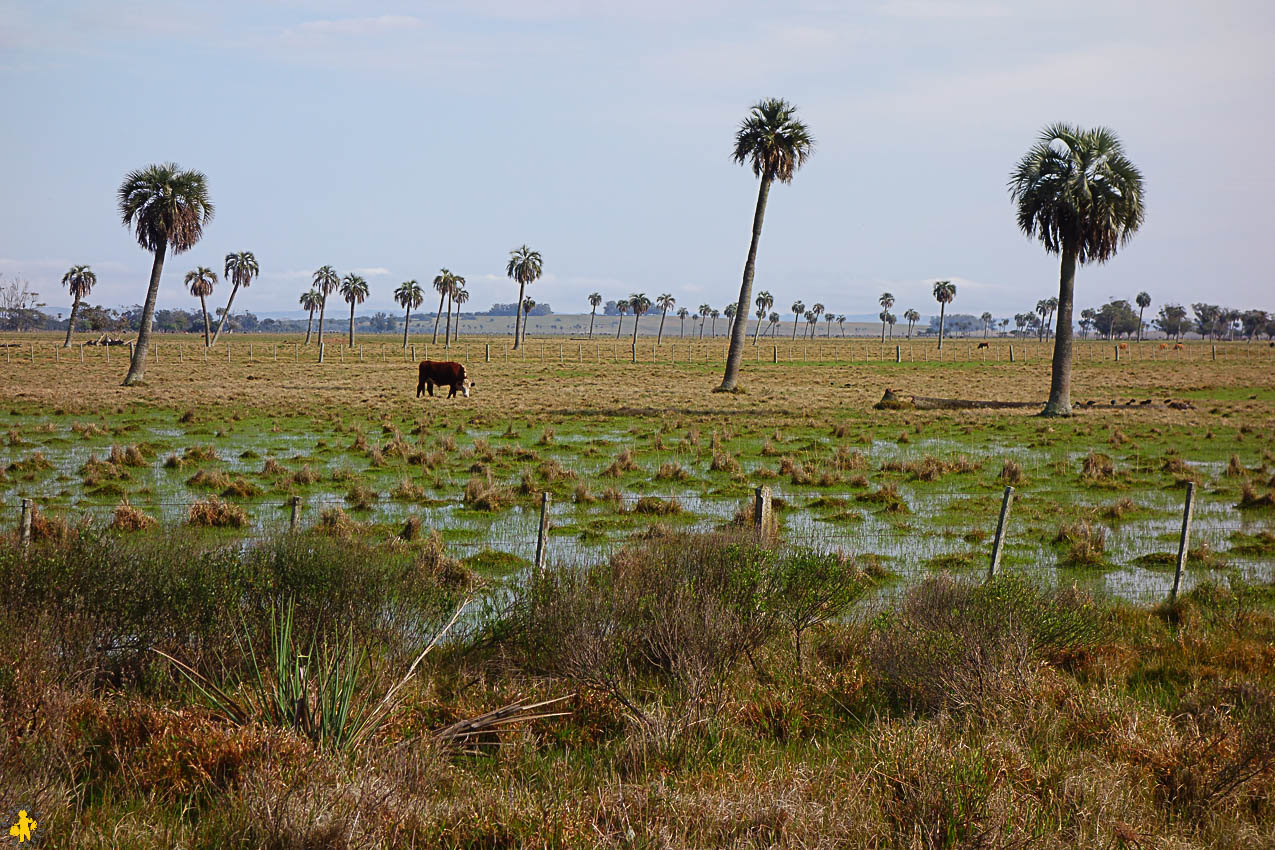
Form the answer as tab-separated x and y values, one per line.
594	300
200	282
797	309
810	320
775	144
1052	304
986	319
621	307
460	295
166	207
310	300
326	280
1143	300
409	296
1077	192
816	310
443	286
704	310
890	319
665	302
764	302
944	292
886	301
1042	309
729	312
913	317
528	304
353	290
829	317
714	313
525	266
639	304
79	281
240	270
841	325
773	318
682	313
454	284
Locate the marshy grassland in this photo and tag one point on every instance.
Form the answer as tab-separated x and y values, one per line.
853	683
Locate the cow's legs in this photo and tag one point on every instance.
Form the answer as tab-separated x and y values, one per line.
429	385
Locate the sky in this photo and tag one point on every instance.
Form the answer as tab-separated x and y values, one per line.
397	138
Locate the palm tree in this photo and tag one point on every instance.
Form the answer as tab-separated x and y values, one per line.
241	268
797	309
729	312
525	266
775	144
353	290
409	296
890	319
714	313
79	281
810	320
594	300
1052	304
454	284
310	300
944	292
166	207
459	297
682	313
528	304
621	307
1042	308
639	304
326	280
443	286
704	310
665	302
830	318
1077	192
200	282
764	302
886	301
913	317
773	318
986	319
1143	300
841	326
817	311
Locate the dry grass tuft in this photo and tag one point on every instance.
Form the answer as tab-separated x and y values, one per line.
482	493
1087	544
624	462
211	512
408	491
129	518
1012	473
655	506
1251	500
1097	467
672	471
724	462
209	479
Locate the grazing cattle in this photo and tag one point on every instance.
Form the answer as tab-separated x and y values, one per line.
1163	346
1124	346
1177	346
444	374
983	345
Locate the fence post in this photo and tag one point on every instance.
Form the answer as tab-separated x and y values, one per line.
81	352
227	352
486	352
1117	353
774	354
999	543
542	534
293	503
24	525
1214	347
320	352
1184	543
1011	354
898	354
763	517
633	354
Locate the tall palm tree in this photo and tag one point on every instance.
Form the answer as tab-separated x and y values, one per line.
310	300
241	268
1042	309
797	309
353	290
621	307
841	325
775	144
773	318
665	302
986	319
166	207
457	283
1143	300
816	310
714	313
443	286
528	304
913	317
1082	198
704	310
326	280
459	297
409	296
1052	304
729	312
829	318
200	282
764	302
944	292
79	281
639	304
886	301
594	300
810	320
682	313
525	266
890	319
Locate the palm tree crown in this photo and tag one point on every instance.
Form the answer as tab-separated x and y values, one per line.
79	281
944	291
309	300
166	207
201	281
241	268
354	289
409	295
773	141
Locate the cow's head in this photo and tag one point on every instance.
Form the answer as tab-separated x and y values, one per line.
465	386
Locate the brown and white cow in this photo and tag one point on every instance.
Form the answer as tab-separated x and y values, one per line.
444	373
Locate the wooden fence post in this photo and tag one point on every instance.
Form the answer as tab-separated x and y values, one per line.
999	543
320	351
1011	354
486	352
763	516
1184	542
293	503
898	354
24	525
774	354
542	535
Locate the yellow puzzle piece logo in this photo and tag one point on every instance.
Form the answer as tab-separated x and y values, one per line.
23	828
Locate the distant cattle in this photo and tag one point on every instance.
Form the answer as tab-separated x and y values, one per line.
1177	346
444	374
1163	346
1124	346
983	345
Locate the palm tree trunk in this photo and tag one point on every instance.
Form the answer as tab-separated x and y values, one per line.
203	308
309	325
636	317
942	316
70	325
736	351
439	314
351	323
224	316
683	333
522	289
1059	403
447	335
796	317
620	327
659	337
323	306
883	330
1140	309
407	322
757	331
591	315
137	366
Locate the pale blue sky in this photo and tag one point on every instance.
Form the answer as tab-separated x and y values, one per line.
399	137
